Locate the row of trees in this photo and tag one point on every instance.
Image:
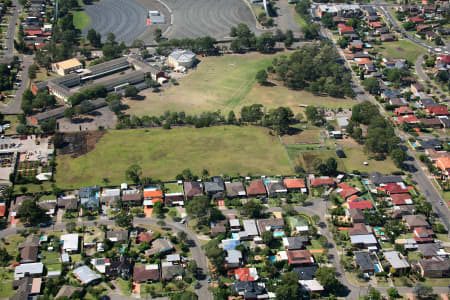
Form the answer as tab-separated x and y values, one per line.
42	100
314	68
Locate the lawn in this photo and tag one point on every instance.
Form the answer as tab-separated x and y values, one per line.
123	286
50	257
80	19
173	188
6	289
226	83
11	245
297	17
304	136
162	154
401	49
13	122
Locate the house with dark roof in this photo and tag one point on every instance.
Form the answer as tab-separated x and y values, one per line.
355	215
68	203
434	267
29	254
275	188
429	250
214	185
120	267
365	262
159	246
270	224
218	228
131	197
235	189
306	272
295	242
169	271
89	197
146	273
173	199
378	178
249	289
192	189
256	189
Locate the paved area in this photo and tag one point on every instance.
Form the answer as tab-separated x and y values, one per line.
125	18
102	117
285	20
197	18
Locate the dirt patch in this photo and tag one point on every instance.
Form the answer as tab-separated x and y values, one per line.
400	49
80	143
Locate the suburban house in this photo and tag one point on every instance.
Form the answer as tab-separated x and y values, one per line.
275	188
423	235
110	196
233	259
117	235
146	237
256	189
172	199
89	197
218	228
29	254
396	260
170	271
68	203
295	242
443	163
31	269
192	189
355	215
235	189
434	267
131	197
270	224
323	181
295	185
345	190
414	221
299	257
246	274
146	273
250	289
364	260
159	246
152	195
214	185
70	243
361	237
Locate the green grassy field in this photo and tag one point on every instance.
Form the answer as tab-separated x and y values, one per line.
163	154
80	19
401	49
6	289
227	83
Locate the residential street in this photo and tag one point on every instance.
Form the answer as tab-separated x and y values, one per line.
197	253
12	28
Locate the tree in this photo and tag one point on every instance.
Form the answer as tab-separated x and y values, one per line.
331	166
4	257
134	173
252	209
124	219
422	290
182	236
131	91
261	77
289	287
198	207
186	295
157	34
192	268
32	214
312	114
371	85
398	156
158	209
289	39
393	293
327	278
231	118
267	237
409	25
373	294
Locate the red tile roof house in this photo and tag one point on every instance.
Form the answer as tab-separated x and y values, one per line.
344	29
409	119
416	20
394	188
322	181
437	111
256	188
346	190
361	204
423	235
192	189
375	24
2	209
403	110
299	257
144	237
295	184
33	32
246	274
401	199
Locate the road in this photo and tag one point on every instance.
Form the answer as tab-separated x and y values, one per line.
285	20
12	28
197	253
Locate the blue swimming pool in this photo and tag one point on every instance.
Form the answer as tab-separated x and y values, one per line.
414	144
273	259
278	234
366	181
235	236
377	268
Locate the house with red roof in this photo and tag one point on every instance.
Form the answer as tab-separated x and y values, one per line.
246	274
443	163
401	199
361	204
346	190
345	29
322	181
416	20
375	25
437	111
403	110
33	32
2	209
152	195
423	235
444	58
408	119
299	257
256	188
394	188
295	184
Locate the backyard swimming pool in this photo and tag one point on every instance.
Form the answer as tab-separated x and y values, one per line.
377	268
278	234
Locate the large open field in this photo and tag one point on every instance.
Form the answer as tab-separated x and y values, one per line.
401	49
227	83
163	154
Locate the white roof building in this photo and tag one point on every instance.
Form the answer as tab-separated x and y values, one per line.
394	259
250	227
70	242
85	275
28	269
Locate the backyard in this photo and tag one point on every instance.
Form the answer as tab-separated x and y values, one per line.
162	154
227	83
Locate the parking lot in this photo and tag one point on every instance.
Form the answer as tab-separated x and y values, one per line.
102	117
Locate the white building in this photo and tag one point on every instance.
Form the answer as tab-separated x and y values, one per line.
183	58
70	242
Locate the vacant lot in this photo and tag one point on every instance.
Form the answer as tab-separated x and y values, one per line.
163	154
227	83
401	49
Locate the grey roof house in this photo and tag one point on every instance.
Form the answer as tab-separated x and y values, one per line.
214	185
89	196
235	189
